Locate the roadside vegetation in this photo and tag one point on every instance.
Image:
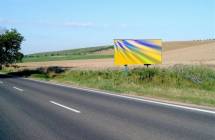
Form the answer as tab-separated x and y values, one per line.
73	54
188	84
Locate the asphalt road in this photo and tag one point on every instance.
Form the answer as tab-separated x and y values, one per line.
31	110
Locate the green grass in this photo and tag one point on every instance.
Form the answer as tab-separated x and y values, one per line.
73	54
68	57
188	84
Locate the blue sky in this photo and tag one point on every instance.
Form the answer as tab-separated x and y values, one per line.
65	24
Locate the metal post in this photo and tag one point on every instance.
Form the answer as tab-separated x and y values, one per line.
126	69
147	65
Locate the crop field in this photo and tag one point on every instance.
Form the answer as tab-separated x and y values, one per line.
74	54
177	52
65	57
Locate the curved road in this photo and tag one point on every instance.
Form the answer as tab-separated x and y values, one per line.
31	110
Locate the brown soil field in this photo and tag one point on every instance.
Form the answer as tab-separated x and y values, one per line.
178	52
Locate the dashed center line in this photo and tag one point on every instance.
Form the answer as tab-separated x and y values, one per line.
66	107
19	89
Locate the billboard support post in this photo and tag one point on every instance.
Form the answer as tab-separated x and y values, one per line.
147	65
126	69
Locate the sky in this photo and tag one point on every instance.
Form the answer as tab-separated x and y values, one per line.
50	25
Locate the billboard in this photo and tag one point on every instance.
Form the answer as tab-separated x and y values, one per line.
137	51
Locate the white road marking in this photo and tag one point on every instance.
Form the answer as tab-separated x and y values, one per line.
1	82
133	98
154	102
19	89
69	108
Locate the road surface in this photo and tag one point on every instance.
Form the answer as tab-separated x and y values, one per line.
31	110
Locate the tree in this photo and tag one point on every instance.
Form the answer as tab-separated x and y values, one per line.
10	45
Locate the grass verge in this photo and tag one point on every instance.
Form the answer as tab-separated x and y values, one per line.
187	84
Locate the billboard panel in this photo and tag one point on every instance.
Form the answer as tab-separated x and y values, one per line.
136	51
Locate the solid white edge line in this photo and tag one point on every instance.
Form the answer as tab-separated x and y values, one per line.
133	98
66	107
19	89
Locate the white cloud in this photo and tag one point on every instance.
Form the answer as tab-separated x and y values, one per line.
71	24
67	24
124	25
106	25
78	24
8	21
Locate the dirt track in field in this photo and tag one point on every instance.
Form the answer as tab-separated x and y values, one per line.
180	52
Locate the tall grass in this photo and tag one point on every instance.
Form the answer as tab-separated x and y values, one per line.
177	77
190	84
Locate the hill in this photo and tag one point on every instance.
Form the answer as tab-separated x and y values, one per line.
176	52
72	54
102	52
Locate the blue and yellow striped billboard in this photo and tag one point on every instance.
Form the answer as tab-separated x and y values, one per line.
131	51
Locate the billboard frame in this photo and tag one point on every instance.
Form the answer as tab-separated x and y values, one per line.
126	65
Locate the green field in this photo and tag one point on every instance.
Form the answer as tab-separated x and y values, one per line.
74	54
69	57
188	84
